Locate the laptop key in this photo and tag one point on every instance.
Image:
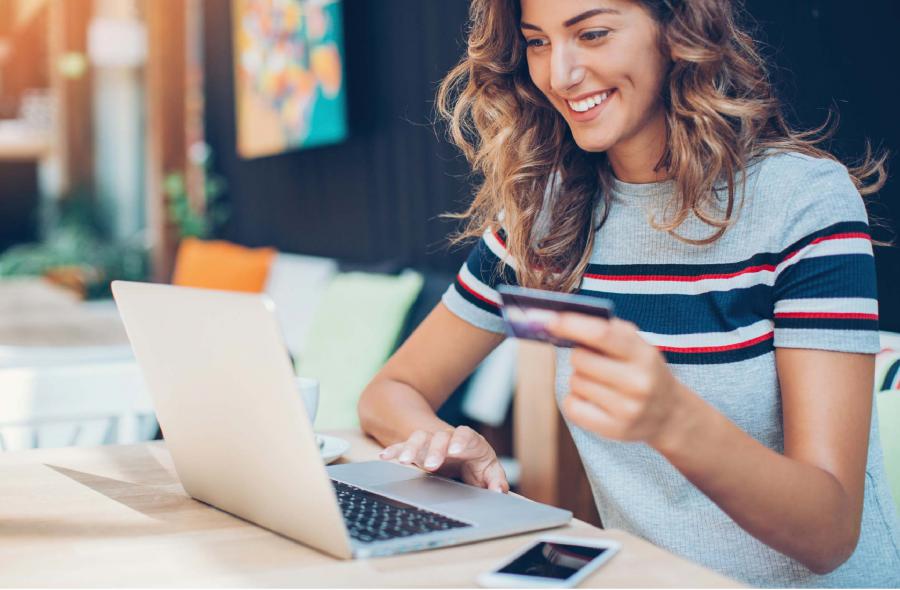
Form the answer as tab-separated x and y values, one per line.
370	517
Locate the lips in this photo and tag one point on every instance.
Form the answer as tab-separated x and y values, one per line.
588	106
587	103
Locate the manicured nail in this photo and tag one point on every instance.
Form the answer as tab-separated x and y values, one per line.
454	449
405	457
431	462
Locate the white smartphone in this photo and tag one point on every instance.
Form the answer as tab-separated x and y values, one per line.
551	562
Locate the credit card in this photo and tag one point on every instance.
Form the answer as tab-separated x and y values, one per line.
527	312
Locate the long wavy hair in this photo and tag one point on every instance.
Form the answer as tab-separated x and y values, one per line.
721	113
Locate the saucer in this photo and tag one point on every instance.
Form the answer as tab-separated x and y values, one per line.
332	447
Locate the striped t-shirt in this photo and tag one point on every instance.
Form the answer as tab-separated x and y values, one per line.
795	270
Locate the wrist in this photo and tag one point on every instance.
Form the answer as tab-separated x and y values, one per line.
681	424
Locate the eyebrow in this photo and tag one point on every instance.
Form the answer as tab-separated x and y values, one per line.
575	19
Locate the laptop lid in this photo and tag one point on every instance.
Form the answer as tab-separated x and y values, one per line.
222	385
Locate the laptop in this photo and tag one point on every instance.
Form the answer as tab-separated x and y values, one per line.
223	388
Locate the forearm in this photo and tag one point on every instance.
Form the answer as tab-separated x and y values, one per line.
798	509
390	411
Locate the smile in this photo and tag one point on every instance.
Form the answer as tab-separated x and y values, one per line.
591	102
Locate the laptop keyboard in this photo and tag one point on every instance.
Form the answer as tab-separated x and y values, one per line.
370	517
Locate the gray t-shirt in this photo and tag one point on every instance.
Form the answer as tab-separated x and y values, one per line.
795	270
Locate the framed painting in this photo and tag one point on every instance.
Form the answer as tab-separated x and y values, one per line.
289	75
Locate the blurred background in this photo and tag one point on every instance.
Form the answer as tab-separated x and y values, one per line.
286	146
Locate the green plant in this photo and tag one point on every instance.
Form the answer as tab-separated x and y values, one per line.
190	221
77	245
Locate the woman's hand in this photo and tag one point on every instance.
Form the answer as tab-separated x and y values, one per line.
460	452
621	387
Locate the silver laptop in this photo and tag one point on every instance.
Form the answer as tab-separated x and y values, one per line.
223	389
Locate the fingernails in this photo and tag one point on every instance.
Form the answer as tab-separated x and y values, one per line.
454	449
431	462
405	457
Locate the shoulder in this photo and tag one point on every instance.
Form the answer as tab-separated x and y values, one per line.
805	194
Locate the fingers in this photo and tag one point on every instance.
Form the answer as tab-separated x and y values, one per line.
615	338
437	450
466	444
495	478
407	451
614	373
588	416
465	447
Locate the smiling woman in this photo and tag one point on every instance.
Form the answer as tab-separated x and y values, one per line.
635	151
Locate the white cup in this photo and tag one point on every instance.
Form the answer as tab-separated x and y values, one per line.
309	393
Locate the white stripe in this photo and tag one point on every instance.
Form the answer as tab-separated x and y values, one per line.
742	281
833	305
498	249
750	279
828	248
472	282
737	336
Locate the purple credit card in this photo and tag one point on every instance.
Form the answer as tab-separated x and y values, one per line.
526	312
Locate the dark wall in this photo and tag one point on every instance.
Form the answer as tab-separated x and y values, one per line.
377	195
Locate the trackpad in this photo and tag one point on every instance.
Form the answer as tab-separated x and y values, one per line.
428	490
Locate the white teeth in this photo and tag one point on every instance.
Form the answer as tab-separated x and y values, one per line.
589	102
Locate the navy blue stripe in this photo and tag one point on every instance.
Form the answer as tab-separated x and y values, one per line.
720	358
841	275
890	376
825	324
693	270
464	293
715	311
487	268
843	227
683	270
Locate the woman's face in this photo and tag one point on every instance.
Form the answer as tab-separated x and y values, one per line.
598	63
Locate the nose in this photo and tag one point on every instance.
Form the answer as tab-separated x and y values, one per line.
565	70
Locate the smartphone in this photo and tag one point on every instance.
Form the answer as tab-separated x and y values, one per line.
551	561
526	312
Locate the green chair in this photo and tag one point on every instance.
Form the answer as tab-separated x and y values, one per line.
889	424
887	400
354	330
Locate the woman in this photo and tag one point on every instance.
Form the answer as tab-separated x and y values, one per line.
634	150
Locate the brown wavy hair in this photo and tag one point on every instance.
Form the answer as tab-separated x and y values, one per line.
721	113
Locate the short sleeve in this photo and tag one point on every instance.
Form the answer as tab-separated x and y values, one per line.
825	290
473	295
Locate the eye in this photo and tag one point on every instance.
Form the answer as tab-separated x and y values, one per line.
535	42
594	35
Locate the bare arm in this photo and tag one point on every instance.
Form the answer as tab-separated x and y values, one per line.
399	404
808	502
805	503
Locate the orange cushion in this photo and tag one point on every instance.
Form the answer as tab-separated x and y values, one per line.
222	265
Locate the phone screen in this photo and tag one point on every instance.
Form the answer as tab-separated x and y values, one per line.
552	560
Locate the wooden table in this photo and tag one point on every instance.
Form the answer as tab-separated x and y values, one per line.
117	516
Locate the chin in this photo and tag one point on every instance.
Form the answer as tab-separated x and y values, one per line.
593	144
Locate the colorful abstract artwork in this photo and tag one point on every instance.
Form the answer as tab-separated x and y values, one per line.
289	75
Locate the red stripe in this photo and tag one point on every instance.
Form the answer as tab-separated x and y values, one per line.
843	236
681	279
724	348
499	239
475	293
827	315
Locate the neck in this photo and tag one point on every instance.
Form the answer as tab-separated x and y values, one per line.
635	159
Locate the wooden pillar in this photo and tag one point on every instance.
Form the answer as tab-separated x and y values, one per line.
551	469
166	83
74	143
